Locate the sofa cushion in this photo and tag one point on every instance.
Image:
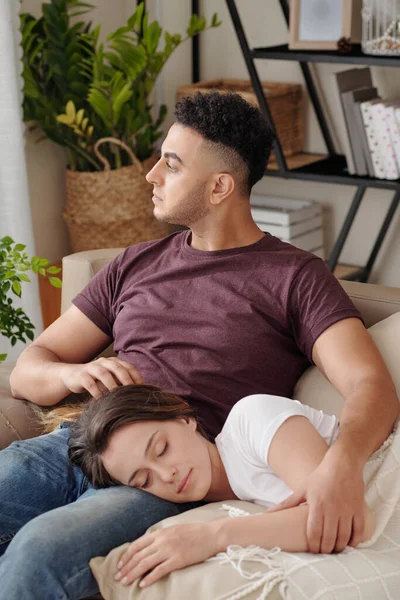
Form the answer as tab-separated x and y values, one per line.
206	580
316	391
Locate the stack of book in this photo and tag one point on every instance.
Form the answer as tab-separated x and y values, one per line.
372	142
297	222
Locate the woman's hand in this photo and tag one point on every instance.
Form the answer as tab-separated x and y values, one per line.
99	376
166	550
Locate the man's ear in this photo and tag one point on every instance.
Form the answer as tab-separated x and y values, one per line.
224	185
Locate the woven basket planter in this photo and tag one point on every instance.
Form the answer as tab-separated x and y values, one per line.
285	101
113	208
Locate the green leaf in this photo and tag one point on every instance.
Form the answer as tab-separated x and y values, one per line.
19	247
70	111
7	240
101	105
53	270
43	262
152	37
3	357
23	277
55	282
214	21
42	271
29	334
122	98
16	286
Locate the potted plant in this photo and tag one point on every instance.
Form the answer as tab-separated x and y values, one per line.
84	94
14	264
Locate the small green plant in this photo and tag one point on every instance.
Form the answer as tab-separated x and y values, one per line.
14	263
79	90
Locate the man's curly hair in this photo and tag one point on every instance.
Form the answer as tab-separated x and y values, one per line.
237	130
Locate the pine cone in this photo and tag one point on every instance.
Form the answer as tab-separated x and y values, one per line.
344	45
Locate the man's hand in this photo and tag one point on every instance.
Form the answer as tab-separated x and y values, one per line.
100	375
335	495
166	550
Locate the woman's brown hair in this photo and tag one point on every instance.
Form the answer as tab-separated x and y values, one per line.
90	434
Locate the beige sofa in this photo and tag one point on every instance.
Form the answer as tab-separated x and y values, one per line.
17	417
376	303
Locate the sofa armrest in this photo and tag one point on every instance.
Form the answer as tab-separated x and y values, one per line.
78	270
375	302
18	418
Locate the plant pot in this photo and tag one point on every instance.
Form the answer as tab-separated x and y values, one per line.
113	208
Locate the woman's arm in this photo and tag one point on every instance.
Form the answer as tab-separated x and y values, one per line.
296	450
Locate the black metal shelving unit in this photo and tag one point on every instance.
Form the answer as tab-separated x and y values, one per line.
333	168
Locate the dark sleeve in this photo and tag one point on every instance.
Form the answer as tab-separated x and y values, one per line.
316	301
97	299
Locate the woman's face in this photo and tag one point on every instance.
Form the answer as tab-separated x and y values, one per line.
169	459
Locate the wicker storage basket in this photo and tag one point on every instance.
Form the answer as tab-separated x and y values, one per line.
285	101
113	208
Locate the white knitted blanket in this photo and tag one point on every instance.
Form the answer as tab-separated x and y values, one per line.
369	572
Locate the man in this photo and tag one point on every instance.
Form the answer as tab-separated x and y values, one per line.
213	313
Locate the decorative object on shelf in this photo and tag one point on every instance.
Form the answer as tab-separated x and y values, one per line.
381	27
80	91
286	102
319	24
15	324
344	45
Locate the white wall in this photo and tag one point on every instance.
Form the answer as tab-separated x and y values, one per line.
221	57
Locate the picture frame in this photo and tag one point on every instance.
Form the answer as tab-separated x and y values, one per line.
319	24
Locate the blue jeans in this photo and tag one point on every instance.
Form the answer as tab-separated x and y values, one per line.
52	521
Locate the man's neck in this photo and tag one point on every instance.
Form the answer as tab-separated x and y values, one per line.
225	238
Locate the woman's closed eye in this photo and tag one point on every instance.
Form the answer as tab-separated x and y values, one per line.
147	480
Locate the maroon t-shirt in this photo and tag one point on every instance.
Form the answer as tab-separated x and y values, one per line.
215	326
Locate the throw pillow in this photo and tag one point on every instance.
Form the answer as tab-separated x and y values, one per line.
207	580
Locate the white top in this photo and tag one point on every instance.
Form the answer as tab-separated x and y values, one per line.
245	439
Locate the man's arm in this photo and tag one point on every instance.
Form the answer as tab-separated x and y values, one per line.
58	362
347	356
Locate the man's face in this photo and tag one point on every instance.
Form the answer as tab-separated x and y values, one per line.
159	457
181	178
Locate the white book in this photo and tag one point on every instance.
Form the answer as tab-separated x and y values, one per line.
373	143
382	130
286	232
307	241
397	115
282	211
393	131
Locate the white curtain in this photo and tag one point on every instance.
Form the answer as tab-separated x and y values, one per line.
15	212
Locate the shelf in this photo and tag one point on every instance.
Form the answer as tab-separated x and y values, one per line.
331	169
296	161
282	52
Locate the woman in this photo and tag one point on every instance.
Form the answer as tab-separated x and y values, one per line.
142	437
